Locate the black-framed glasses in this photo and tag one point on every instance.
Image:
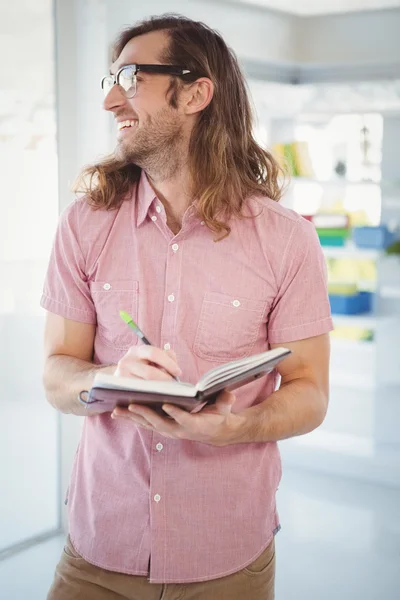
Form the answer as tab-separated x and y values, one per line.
125	77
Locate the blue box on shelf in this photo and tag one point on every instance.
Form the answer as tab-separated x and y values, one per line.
372	237
351	305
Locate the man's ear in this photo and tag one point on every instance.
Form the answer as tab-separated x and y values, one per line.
198	95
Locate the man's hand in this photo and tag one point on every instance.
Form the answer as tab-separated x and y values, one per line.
214	424
148	362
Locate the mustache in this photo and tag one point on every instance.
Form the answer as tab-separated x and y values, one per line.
123	117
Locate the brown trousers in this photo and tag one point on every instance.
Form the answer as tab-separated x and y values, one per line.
76	579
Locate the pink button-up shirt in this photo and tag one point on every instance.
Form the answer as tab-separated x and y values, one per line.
140	503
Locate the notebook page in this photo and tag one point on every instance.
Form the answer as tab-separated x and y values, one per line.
236	367
173	388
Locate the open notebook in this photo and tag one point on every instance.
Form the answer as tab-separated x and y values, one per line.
109	391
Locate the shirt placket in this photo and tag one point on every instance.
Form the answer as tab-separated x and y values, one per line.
158	517
159	454
172	293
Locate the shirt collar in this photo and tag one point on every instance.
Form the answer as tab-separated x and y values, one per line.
144	198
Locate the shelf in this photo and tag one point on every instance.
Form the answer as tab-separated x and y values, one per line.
389	291
351	251
336	442
334	453
365	321
350	380
348	345
353	364
391	203
333	182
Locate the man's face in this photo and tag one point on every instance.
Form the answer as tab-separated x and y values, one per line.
147	125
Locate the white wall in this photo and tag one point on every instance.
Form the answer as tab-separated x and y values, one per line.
254	33
29	505
362	38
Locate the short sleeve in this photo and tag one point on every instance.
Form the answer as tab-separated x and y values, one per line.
301	308
66	290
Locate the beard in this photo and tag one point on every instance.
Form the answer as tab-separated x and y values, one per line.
156	146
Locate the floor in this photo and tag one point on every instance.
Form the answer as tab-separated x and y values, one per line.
339	540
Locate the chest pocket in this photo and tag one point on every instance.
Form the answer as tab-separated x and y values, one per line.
109	298
228	327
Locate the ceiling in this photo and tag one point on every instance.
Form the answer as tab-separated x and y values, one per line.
320	7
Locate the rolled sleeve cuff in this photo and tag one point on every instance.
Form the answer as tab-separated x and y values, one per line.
69	312
301	332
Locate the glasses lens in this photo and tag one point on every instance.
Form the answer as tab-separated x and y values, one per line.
127	81
107	83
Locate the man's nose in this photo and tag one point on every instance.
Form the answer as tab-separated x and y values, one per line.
114	99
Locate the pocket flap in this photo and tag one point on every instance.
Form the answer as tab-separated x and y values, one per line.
235	302
116	286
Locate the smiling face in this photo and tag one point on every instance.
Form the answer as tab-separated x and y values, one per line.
150	130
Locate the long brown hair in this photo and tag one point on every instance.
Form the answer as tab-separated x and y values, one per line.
226	163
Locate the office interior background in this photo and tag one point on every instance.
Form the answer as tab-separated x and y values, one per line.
324	76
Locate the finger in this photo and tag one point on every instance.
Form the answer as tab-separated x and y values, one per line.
158	422
142	370
120	411
131	364
155	355
124	413
182	417
224	402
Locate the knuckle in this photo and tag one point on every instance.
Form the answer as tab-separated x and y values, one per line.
121	369
138	354
146	352
150	372
146	371
134	351
122	361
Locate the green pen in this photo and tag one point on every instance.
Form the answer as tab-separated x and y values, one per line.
131	323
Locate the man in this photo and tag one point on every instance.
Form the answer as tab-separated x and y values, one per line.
182	229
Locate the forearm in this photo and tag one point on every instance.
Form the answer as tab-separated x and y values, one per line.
296	408
64	377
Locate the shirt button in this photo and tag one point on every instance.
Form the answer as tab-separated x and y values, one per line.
201	222
106	286
154	218
236	303
175	247
158	209
167	346
159	447
157	498
171	298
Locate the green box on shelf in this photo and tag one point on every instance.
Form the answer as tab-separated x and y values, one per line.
337	232
332	237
